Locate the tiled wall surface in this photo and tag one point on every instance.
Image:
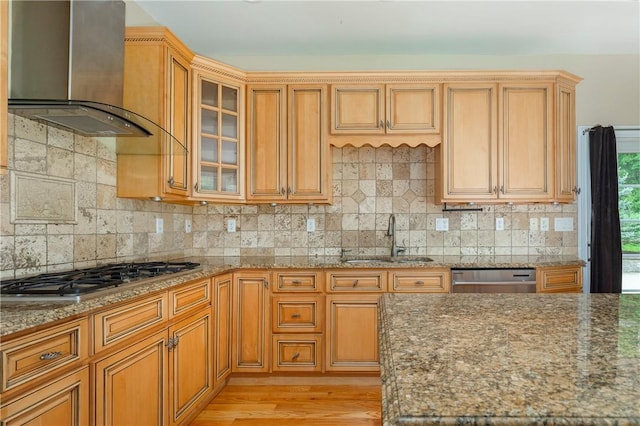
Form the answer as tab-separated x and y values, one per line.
368	185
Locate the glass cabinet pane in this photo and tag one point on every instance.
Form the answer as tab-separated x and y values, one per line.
229	98
209	149
209	122
208	178
229	152
209	94
229	126
229	180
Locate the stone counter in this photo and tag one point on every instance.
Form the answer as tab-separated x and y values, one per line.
505	359
20	316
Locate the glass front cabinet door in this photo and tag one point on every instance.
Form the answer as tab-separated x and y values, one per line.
217	148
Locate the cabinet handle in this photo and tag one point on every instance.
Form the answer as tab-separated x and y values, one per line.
295	356
296	315
266	283
381	124
495	190
171	181
388	124
196	186
50	355
282	190
419	282
355	283
576	190
172	343
288	190
502	189
296	282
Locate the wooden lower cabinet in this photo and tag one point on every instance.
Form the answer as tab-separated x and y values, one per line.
62	401
131	384
191	375
352	332
559	279
222	291
250	343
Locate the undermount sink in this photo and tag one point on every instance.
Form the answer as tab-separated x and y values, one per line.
399	259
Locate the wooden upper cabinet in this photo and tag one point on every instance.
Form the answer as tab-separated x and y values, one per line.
157	85
468	155
288	155
565	147
498	143
217	148
385	109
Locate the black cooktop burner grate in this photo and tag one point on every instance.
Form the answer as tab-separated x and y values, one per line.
88	280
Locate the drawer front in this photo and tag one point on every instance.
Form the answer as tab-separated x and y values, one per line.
44	353
297	353
421	282
560	280
297	314
356	281
118	324
189	297
299	281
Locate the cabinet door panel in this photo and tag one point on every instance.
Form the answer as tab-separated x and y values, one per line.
565	146
357	109
352	333
307	145
178	115
130	384
413	109
251	322
469	156
222	287
190	364
526	141
266	142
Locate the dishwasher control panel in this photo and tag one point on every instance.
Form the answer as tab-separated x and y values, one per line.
493	280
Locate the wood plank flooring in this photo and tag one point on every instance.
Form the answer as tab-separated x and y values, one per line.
298	401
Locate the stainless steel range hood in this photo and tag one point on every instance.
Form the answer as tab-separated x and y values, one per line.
67	64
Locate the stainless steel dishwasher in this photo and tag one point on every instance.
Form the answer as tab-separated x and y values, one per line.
493	280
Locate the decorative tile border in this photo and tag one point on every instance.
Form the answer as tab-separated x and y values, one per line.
43	199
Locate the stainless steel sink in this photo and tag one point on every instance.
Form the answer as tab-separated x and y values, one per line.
409	259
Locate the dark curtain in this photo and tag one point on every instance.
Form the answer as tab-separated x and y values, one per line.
606	245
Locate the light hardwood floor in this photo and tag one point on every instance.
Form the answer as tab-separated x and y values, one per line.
295	401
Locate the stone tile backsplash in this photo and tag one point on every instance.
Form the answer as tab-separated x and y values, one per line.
369	184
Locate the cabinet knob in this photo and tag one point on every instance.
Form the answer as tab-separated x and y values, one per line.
171	181
50	355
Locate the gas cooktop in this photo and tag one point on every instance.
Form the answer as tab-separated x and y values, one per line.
74	284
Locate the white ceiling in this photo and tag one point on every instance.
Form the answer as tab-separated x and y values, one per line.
261	28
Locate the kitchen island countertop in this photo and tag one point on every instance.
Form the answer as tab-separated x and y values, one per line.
504	359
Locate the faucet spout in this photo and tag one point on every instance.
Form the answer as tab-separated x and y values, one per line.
391	232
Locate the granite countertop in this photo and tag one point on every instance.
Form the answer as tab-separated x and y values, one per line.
504	359
19	316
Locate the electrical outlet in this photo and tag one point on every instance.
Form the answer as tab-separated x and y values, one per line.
533	224
311	225
442	224
499	224
159	225
231	224
544	224
187	225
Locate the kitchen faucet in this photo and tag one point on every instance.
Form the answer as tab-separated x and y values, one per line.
391	232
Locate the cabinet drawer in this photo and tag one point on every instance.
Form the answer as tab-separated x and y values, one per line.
189	297
297	314
44	353
297	353
298	281
122	322
356	281
559	280
433	281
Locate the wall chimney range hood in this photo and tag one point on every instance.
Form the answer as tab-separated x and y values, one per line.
66	68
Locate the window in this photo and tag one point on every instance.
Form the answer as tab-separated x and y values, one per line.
629	206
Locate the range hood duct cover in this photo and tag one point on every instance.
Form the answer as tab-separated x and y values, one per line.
67	68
